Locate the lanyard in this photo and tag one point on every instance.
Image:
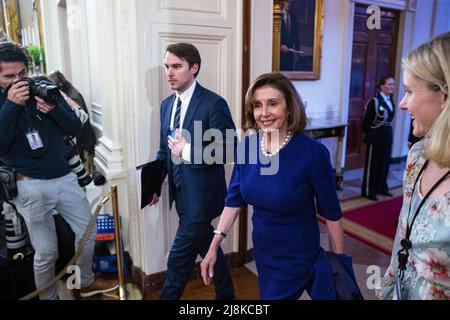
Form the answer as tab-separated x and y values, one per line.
406	244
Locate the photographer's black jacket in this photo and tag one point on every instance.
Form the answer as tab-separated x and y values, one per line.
16	121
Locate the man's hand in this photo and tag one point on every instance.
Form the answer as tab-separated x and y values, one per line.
284	48
177	144
154	199
43	106
19	93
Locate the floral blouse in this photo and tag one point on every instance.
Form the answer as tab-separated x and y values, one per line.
427	275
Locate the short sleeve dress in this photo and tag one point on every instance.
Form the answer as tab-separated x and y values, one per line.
427	276
286	191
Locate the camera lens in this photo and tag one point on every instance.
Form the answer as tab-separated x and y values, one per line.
78	168
44	90
99	179
84	181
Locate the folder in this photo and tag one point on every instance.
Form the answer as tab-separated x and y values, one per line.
152	177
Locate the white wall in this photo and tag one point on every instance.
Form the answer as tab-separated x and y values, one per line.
429	19
324	96
26	13
441	13
261	38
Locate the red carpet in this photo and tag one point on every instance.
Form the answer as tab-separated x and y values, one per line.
374	224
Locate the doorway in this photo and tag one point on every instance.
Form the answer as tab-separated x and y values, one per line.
373	56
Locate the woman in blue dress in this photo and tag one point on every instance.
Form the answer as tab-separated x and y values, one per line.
287	177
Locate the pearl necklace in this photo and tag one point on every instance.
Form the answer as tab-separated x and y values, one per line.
263	144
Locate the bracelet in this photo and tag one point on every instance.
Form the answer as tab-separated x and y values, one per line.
220	233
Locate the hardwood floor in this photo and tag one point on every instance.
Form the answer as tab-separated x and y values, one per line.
245	285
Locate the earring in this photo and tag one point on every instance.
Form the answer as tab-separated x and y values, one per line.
443	106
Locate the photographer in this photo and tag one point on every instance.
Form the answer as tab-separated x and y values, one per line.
73	156
45	181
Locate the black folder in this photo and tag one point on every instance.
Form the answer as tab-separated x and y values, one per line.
151	181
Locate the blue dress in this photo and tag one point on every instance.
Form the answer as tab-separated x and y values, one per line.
285	199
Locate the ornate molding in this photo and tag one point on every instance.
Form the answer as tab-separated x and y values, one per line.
109	158
126	16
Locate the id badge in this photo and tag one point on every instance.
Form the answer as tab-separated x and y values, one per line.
34	140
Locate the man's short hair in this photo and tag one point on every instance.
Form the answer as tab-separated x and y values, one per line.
13	52
188	52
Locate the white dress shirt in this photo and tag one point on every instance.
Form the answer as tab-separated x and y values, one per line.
185	98
388	101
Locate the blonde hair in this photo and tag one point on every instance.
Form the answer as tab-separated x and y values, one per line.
431	62
296	121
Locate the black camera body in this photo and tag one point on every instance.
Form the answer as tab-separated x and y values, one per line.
45	90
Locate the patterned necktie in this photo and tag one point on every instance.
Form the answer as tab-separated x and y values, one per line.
176	174
176	119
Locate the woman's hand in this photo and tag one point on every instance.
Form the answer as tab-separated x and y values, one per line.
207	266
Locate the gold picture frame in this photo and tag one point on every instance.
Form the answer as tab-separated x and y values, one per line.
297	55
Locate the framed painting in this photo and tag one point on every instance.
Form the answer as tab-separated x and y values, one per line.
297	38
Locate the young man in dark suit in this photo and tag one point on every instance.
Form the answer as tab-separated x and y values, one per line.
197	186
378	136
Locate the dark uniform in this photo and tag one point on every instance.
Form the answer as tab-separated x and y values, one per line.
377	127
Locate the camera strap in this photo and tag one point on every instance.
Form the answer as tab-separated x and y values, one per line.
403	254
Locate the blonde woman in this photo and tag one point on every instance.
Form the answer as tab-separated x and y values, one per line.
420	263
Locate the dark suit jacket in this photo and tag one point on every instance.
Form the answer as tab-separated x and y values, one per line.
291	40
203	185
381	135
333	278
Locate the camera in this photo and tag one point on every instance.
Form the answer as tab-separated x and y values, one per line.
99	179
45	90
77	166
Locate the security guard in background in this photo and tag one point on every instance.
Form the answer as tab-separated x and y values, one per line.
377	127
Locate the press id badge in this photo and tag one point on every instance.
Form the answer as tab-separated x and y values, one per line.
34	140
